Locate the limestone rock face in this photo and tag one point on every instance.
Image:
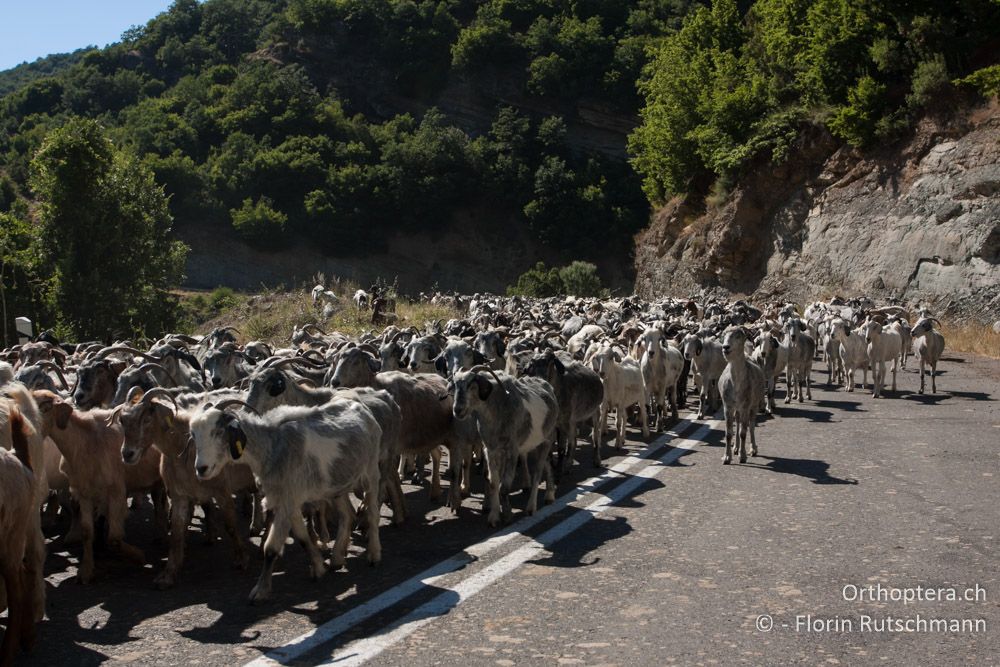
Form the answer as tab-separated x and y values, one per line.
919	222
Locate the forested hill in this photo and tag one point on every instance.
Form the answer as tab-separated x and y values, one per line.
343	122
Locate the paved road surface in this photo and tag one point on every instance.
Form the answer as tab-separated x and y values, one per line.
670	557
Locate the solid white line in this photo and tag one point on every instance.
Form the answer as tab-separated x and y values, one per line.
365	649
340	624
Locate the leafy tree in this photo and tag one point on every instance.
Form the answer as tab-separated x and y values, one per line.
537	282
260	224
105	234
581	279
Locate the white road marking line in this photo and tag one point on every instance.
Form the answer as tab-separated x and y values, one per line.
362	650
340	624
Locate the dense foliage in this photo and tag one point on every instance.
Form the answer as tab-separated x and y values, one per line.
575	279
732	84
277	119
103	231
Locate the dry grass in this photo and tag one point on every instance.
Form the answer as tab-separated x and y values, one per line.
270	316
971	337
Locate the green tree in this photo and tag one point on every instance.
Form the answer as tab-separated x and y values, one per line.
538	282
105	234
581	279
259	224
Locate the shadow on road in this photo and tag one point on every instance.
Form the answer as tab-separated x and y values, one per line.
846	406
817	471
972	395
573	549
791	412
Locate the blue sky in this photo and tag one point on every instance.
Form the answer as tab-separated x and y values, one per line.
30	29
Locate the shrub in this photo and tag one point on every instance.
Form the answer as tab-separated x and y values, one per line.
259	224
578	278
537	282
581	279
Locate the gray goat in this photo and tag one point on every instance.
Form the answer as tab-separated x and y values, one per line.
801	350
514	418
741	386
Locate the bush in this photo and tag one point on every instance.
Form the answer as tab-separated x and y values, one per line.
929	78
259	224
578	279
581	279
985	80
537	282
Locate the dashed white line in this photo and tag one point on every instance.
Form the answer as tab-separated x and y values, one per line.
363	649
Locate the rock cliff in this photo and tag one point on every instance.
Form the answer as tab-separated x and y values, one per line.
918	221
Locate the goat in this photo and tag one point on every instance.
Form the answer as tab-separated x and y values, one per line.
579	393
421	354
99	480
225	366
274	387
20	538
299	455
36	376
741	385
514	418
148	422
661	366
427	421
361	299
490	346
623	387
708	361
928	345
801	351
853	351
883	345
772	356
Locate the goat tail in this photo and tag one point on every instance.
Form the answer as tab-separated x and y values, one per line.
19	431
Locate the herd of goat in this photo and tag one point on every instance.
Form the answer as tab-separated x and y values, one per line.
288	435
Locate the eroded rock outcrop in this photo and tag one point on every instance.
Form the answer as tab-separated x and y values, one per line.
919	221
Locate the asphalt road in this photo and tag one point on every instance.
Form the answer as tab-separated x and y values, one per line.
670	557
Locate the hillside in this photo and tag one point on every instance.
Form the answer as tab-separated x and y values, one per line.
458	142
918	221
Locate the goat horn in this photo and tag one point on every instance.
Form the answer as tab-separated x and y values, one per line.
229	402
368	347
58	371
160	391
151	364
234	329
125	348
484	367
316	327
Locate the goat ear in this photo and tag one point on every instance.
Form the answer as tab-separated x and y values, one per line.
774	343
374	365
62	413
560	368
698	346
237	438
479	358
441	364
484	386
501	347
277	386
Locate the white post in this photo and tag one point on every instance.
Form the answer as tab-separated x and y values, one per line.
24	331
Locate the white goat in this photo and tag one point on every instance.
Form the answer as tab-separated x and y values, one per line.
884	345
623	387
928	345
853	351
